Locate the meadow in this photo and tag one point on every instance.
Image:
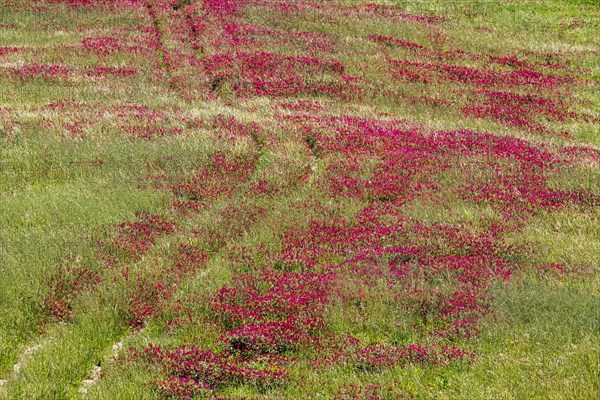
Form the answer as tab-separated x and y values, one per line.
299	199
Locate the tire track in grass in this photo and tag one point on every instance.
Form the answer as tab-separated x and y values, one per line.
191	189
5	384
131	241
96	372
185	73
22	362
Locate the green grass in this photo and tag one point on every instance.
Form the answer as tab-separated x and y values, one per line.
541	344
60	194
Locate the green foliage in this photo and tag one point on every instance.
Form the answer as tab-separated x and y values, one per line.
65	187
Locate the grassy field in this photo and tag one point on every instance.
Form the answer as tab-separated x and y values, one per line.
299	199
